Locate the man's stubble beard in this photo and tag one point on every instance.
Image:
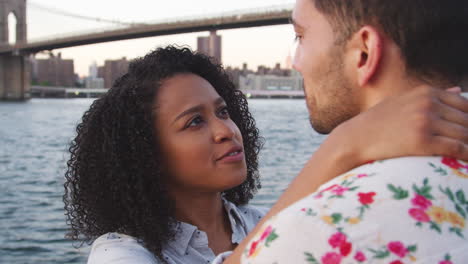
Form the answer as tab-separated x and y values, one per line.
341	100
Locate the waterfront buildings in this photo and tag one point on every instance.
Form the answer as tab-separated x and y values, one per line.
253	82
112	70
53	71
266	79
93	81
210	46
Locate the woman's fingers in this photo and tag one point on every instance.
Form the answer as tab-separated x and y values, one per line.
454	100
455	89
444	128
443	146
452	114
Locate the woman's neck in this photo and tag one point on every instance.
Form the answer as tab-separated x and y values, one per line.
206	212
203	210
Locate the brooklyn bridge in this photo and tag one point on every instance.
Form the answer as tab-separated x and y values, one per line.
14	63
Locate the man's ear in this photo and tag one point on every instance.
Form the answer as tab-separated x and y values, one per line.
367	46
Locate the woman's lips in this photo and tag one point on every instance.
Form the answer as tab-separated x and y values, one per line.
234	156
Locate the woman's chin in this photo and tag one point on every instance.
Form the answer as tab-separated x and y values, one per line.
234	182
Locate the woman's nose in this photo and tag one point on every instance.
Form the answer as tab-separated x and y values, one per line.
223	130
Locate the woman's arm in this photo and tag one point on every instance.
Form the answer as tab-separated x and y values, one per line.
426	121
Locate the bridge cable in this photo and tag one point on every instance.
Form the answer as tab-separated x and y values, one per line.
78	16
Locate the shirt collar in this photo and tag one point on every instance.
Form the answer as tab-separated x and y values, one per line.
185	231
182	237
235	216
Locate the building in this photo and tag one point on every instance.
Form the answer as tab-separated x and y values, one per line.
210	46
265	78
270	82
112	70
54	71
93	70
277	71
94	83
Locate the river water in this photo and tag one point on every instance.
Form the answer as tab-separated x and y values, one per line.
34	138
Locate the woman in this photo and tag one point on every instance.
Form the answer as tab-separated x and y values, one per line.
164	164
152	150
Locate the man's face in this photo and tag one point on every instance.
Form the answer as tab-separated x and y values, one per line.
330	95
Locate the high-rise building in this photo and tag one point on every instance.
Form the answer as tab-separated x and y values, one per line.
112	70
54	71
210	46
93	81
93	70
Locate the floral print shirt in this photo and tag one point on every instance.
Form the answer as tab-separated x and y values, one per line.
405	210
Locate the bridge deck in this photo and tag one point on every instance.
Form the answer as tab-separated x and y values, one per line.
274	17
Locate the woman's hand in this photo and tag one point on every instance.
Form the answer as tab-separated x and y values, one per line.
423	122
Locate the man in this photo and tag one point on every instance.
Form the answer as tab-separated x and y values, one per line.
353	55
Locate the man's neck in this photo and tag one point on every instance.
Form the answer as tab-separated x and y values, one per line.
386	88
391	78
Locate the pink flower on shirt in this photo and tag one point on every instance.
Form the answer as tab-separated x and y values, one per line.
396	262
266	233
337	239
320	193
419	215
447	260
397	248
345	248
366	198
253	247
329	188
339	190
452	163
360	256
331	258
421	202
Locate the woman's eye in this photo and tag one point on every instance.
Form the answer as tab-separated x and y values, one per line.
195	122
224	113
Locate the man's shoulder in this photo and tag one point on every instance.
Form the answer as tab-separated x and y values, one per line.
417	165
412	208
388	182
405	171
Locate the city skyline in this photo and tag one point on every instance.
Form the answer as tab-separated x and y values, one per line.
256	46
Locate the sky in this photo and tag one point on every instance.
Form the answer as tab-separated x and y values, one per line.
256	46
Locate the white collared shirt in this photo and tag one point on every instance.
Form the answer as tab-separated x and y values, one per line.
189	246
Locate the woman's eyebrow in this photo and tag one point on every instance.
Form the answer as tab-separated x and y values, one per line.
191	110
219	101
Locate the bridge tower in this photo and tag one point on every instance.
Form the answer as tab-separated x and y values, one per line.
14	67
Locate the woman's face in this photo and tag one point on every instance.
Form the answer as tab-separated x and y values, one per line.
201	146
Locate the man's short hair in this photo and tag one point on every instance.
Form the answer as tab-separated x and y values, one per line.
432	34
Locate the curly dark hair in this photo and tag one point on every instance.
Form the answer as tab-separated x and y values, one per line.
114	181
